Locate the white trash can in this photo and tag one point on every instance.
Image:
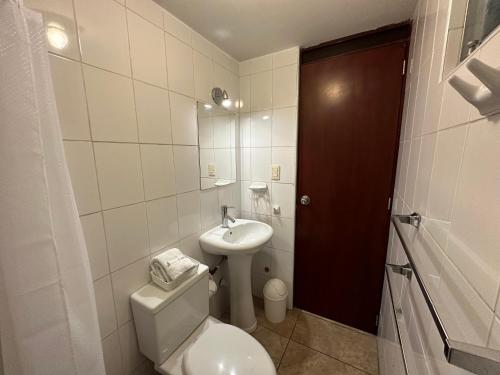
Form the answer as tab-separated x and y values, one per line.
275	296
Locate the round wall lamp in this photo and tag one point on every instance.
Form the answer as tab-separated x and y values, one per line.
220	97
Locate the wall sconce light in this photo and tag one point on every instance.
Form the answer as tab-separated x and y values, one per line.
57	36
220	97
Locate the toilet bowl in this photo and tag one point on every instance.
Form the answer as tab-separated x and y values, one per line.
175	331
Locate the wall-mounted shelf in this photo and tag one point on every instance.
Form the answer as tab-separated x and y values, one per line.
258	187
485	98
476	359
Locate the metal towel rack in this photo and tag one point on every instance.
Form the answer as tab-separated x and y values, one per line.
476	359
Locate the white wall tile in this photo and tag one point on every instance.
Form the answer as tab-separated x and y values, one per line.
285	86
95	239
412	171
245	132
283	270
261	91
261	64
201	44
180	66
112	354
176	28
102	27
105	306
119	172
447	159
147	9
184	125
284	233
80	159
111	106
70	98
262	262
187	170
210	208
261	129
158	171
125	282
246	163
286	57
285	158
203	77
188	206
464	313
284	132
126	234
261	164
245	102
147	50
424	173
283	195
153	113
162	222
474	236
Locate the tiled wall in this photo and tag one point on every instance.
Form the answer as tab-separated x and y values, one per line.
268	136
126	88
448	171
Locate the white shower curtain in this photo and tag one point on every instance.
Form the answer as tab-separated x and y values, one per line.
48	318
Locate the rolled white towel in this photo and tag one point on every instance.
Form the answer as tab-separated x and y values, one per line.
170	264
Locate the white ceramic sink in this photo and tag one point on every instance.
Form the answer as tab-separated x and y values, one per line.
243	237
239	242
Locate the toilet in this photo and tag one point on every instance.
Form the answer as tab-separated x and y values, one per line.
176	333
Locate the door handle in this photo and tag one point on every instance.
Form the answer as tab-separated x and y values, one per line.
305	200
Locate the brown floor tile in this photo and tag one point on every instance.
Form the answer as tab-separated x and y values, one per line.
300	360
272	342
350	346
285	328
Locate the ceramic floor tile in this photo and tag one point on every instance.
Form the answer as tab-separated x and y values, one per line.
300	360
285	328
272	342
349	346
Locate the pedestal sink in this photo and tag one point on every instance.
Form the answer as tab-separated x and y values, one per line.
240	242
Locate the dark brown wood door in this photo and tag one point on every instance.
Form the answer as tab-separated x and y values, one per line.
349	121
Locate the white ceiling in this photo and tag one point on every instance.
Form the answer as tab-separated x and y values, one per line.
251	28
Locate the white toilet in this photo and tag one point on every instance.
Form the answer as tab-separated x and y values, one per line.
176	333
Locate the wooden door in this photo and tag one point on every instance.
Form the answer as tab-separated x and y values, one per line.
349	121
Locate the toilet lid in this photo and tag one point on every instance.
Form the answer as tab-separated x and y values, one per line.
226	350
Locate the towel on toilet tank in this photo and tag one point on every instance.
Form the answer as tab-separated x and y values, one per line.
171	264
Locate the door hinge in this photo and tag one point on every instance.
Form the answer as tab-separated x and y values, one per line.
404	67
376	320
389	204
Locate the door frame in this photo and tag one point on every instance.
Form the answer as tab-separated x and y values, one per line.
391	34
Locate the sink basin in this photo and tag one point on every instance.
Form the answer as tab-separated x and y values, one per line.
243	237
239	242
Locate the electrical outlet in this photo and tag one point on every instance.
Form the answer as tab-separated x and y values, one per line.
275	174
211	169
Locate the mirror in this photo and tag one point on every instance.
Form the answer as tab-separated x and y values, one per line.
471	22
217	129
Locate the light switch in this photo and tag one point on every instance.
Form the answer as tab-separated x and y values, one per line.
211	169
275	174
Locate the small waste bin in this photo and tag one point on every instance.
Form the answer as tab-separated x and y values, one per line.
275	296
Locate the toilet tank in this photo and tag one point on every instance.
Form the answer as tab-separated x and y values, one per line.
163	320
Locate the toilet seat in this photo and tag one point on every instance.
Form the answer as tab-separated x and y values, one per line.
215	348
225	349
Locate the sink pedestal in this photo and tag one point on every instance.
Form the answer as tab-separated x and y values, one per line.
240	284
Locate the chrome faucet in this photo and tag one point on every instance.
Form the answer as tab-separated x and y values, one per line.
226	217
